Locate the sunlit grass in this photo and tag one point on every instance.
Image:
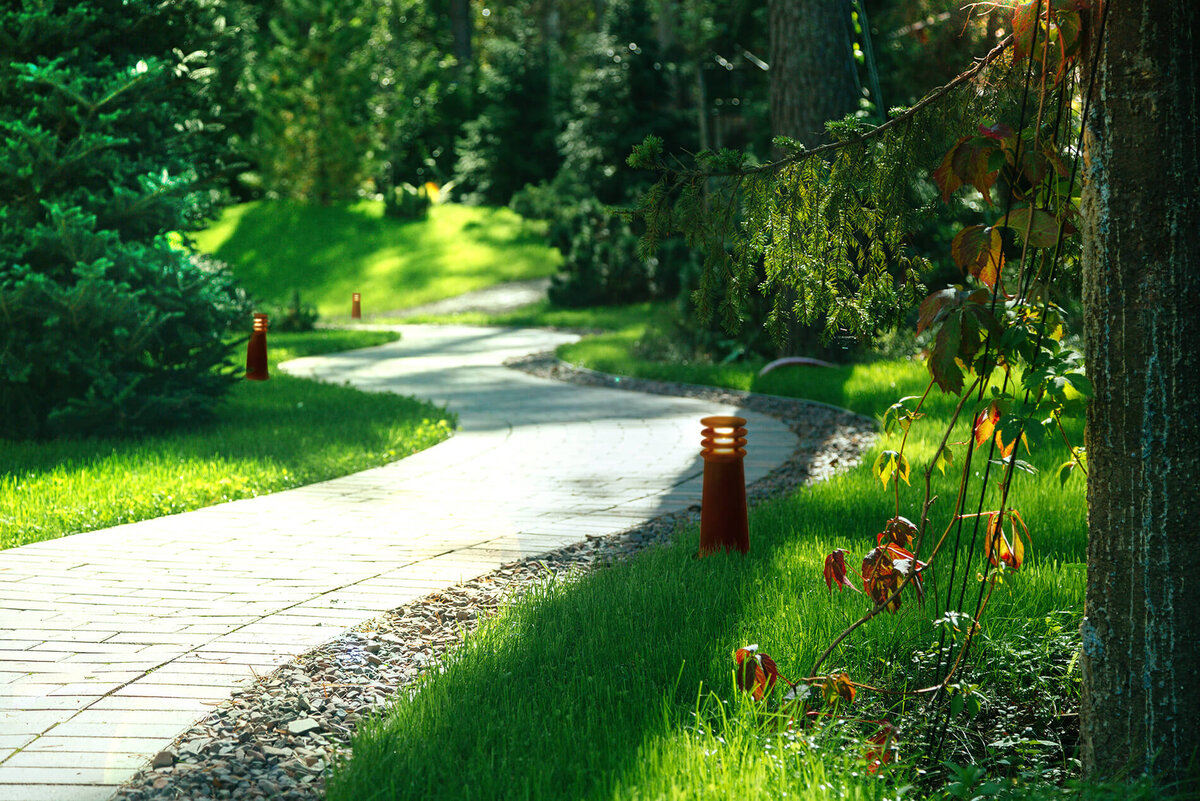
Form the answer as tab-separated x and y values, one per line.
544	315
330	252
267	436
618	684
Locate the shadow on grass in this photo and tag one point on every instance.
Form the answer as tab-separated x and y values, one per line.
326	252
317	244
560	697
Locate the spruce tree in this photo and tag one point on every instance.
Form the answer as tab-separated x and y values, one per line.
106	326
511	142
315	84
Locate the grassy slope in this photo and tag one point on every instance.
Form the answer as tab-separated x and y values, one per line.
328	253
268	436
600	688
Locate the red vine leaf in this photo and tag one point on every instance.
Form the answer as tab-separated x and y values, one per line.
1024	22
755	673
976	249
934	304
998	132
881	748
898	531
967	162
835	571
1050	31
884	568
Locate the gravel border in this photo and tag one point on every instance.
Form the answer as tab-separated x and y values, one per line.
276	738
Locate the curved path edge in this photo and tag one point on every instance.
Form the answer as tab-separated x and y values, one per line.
405	642
113	641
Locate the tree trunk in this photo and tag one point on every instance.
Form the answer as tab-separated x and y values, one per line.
460	31
812	76
812	80
1141	278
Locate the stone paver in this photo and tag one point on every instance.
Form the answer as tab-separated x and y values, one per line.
114	641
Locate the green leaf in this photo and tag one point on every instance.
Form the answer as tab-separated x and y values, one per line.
1081	383
889	463
956	705
945	458
1040	226
943	357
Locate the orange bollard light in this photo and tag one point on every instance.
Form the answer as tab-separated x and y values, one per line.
723	522
356	306
256	351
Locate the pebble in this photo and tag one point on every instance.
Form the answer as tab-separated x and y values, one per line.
275	738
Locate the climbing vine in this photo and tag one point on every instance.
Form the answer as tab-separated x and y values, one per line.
824	232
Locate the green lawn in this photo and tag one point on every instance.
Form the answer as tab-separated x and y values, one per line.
619	684
328	253
267	436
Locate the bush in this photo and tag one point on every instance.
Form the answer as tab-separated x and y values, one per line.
295	317
407	202
601	265
106	325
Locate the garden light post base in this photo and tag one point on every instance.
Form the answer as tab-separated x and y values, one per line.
724	524
256	351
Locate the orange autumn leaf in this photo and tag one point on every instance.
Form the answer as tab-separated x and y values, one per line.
985	423
1001	549
837	687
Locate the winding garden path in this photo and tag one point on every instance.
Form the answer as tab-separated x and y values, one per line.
114	641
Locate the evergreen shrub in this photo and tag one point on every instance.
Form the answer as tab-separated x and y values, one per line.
601	265
293	317
106	325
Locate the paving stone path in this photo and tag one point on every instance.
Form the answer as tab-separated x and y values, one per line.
112	642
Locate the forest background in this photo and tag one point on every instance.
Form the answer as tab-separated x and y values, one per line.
199	104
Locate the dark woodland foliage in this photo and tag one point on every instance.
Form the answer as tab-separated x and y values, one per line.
316	131
511	142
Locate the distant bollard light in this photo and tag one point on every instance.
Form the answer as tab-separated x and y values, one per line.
356	306
256	351
723	522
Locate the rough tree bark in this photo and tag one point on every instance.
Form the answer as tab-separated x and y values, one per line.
812	77
460	31
1141	631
